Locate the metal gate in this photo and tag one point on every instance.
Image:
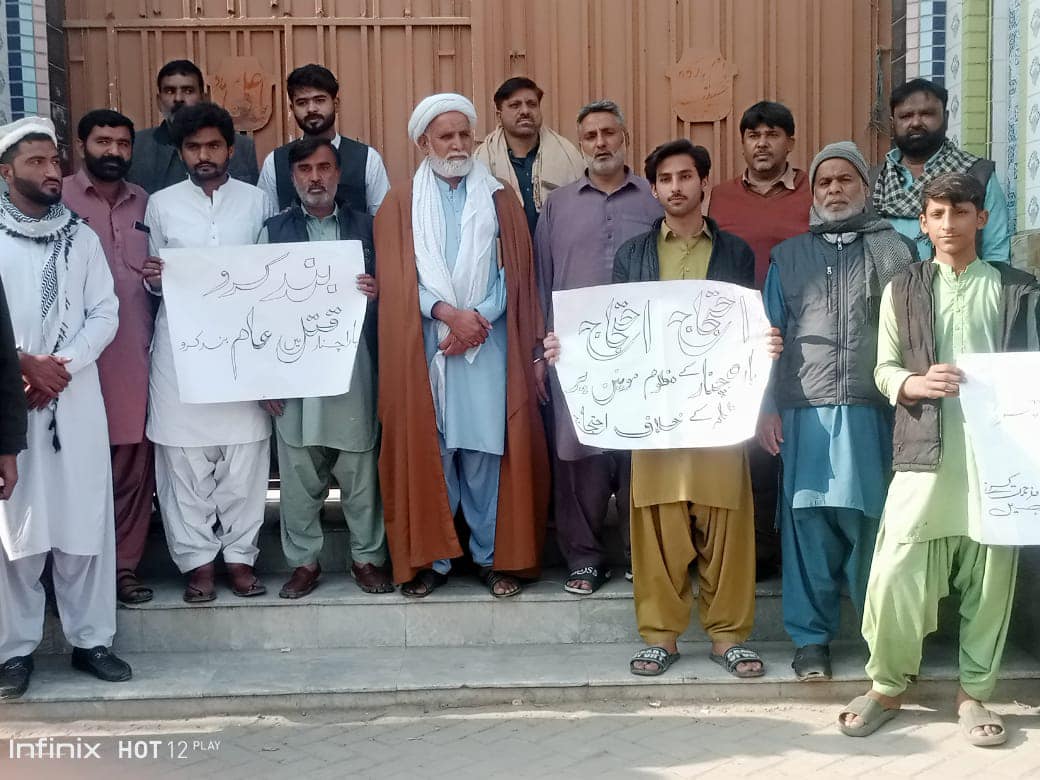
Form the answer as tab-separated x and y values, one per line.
677	67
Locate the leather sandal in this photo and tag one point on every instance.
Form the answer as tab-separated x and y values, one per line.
491	578
244	582
200	587
130	589
423	584
302	582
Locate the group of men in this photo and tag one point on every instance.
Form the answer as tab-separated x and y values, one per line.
453	408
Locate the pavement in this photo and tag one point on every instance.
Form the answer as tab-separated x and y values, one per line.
637	739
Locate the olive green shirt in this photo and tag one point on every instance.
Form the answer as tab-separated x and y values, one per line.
683	258
923	506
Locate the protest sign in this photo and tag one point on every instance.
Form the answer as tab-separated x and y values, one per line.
1000	398
662	365
264	321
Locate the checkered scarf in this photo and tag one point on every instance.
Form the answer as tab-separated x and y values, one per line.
893	199
58	228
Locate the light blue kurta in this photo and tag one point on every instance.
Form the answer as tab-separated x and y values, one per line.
475	393
996	240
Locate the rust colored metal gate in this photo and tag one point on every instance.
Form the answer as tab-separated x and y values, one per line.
677	67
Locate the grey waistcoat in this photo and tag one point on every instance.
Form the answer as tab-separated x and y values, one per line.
830	344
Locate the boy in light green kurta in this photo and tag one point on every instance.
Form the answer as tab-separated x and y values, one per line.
954	305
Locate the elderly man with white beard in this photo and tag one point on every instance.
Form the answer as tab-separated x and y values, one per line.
823	413
459	337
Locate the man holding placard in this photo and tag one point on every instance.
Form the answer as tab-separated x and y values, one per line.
211	460
333	436
689	505
930	316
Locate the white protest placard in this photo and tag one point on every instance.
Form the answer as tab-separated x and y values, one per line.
264	321
1000	397
662	365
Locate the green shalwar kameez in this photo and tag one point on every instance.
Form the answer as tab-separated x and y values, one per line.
923	543
322	438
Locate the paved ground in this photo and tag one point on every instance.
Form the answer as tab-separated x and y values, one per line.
608	740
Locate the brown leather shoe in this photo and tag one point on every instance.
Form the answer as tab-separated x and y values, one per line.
302	582
200	587
371	578
244	581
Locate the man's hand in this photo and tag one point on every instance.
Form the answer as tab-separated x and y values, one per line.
451	346
273	407
366	283
774	343
36	399
942	381
540	370
551	347
770	433
470	327
152	272
45	372
8	475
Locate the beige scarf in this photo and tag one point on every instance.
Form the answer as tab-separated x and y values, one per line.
558	162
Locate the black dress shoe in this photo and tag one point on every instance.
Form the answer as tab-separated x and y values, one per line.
14	676
102	663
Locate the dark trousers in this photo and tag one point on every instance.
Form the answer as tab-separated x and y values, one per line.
133	483
581	493
765	488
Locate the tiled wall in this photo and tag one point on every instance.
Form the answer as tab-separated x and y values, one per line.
1029	117
926	39
28	80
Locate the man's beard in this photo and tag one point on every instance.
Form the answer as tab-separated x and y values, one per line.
169	113
34	193
318	129
107	167
315	200
605	167
837	215
451	169
215	172
923	146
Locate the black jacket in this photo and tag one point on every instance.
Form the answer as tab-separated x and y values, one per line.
731	258
13	414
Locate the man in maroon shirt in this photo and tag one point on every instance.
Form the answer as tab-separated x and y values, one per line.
765	205
114	209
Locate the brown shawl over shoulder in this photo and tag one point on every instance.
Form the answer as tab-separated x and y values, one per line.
419	526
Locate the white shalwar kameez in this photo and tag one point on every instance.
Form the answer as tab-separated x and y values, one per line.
211	460
62	503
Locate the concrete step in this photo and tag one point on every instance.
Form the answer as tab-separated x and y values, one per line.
193	684
338	614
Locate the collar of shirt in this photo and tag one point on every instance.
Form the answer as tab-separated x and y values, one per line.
586	183
311	218
895	156
527	158
786	180
670	235
974	268
83	182
162	134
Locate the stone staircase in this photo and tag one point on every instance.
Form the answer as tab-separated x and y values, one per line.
341	647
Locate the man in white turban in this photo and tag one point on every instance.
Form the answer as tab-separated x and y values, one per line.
459	330
64	313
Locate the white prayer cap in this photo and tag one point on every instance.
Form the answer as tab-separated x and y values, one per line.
14	132
432	107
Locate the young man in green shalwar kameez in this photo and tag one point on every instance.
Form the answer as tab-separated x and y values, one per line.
930	315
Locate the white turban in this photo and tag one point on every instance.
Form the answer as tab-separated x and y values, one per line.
432	107
14	132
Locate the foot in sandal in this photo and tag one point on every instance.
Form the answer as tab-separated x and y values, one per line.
981	727
866	714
